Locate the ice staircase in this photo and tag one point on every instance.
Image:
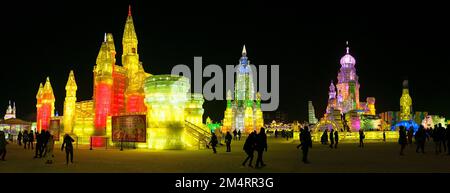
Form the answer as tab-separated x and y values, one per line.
200	135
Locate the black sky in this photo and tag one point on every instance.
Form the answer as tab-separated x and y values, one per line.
389	42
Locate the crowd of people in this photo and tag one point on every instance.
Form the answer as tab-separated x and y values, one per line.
44	144
439	135
255	141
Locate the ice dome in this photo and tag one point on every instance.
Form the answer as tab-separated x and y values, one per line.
348	59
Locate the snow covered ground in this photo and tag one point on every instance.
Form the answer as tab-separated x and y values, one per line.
282	156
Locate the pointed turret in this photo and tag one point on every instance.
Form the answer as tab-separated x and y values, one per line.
104	62
110	43
14	108
9	109
48	90
39	93
244	60
129	40
69	103
332	91
71	86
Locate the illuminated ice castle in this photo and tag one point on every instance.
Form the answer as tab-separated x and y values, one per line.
244	112
344	109
123	90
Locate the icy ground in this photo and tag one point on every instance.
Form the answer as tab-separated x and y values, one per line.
282	156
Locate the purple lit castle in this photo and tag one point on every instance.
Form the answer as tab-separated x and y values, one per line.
343	100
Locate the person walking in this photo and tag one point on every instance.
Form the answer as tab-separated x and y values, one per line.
361	138
45	138
235	134
67	143
420	138
239	135
25	139
336	138
3	144
331	138
228	139
39	145
324	138
31	140
305	144
384	136
249	148
402	140
213	142
300	137
49	149
410	135
436	139
261	146
19	138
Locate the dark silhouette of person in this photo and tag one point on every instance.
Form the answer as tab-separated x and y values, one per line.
324	138
435	134
45	138
300	134
361	138
30	140
384	135
249	148
261	146
443	137
276	133
402	139
213	142
239	135
420	138
447	136
410	134
228	139
19	138
305	144
25	139
3	144
38	150
336	139
67	143
331	138
235	134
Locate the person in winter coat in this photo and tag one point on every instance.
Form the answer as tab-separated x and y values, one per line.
261	146
67	143
305	144
3	144
49	150
228	139
402	140
213	142
249	148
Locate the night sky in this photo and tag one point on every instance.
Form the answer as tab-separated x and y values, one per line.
390	43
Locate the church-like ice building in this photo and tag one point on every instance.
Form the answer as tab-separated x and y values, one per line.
244	112
345	111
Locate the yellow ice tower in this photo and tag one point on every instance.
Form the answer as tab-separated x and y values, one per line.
69	103
405	103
